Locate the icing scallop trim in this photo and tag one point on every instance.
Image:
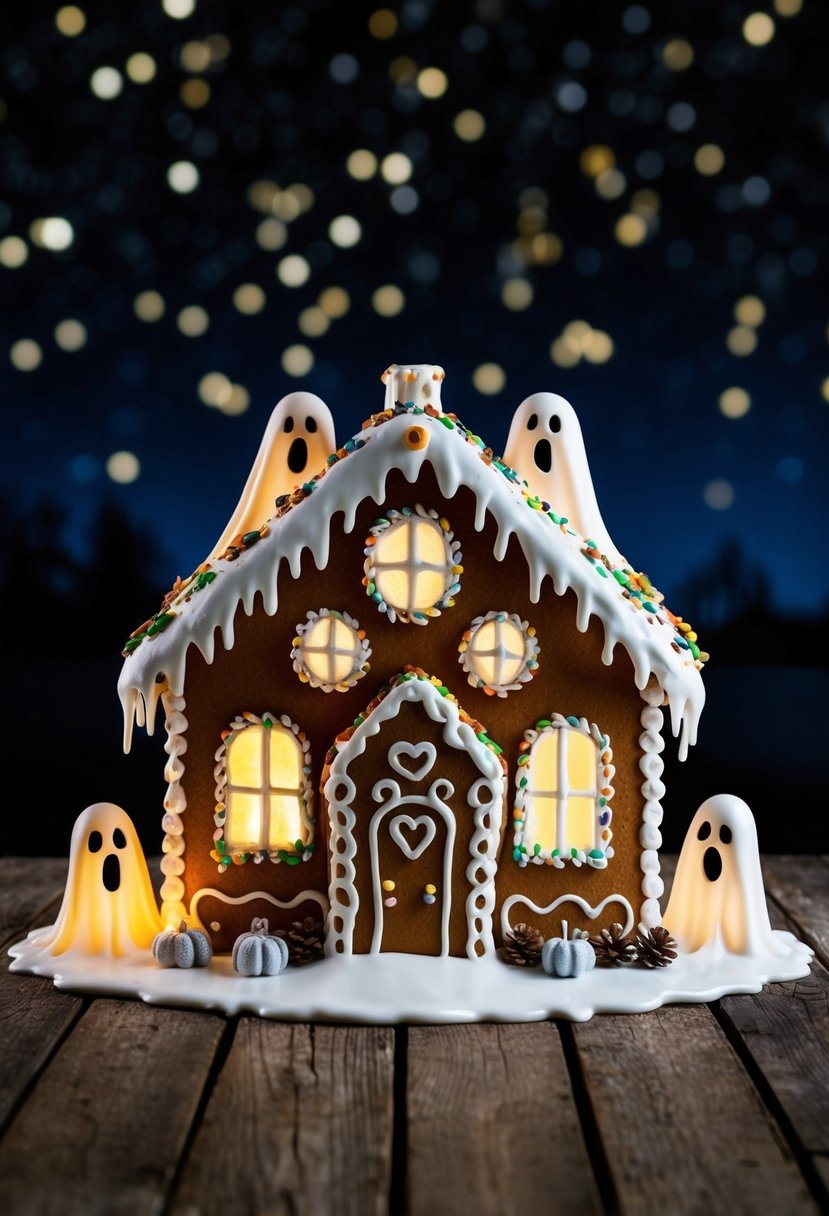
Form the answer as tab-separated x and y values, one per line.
631	617
651	766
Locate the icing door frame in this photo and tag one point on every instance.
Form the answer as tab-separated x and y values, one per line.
484	798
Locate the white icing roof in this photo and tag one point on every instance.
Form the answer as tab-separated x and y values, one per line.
550	551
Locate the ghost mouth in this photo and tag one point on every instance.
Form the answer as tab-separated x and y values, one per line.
298	455
543	455
712	864
111	874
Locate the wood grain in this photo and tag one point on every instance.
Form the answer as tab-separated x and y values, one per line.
492	1124
801	886
104	1126
299	1122
682	1126
29	887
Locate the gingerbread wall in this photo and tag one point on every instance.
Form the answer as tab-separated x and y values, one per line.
257	675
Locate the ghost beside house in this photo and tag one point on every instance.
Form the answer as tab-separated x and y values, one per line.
108	906
718	902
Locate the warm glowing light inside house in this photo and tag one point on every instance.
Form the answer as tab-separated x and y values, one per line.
413	569
331	650
496	652
561	797
264	789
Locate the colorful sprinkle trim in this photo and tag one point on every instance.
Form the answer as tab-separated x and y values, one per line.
466	657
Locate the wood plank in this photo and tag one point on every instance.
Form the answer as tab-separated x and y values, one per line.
801	886
683	1128
299	1122
493	1127
105	1124
34	1016
28	887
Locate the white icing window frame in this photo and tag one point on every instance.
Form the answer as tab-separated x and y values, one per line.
391	519
301	850
360	653
531	649
598	857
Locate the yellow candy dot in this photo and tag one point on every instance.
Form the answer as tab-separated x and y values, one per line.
430	888
388	885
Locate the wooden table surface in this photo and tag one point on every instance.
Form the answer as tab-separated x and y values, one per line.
110	1106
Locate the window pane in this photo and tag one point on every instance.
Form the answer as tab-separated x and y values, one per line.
544	763
320	645
285	759
408	545
541	823
581	824
244	757
497	651
243	826
582	759
286	823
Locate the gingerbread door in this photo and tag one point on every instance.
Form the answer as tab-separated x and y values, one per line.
415	803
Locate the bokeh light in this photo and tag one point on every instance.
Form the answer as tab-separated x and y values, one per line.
249	299
489	378
388	301
26	355
70	335
183	177
123	468
735	402
297	360
718	494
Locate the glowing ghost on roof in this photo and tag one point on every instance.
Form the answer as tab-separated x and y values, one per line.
297	442
108	905
546	447
718	902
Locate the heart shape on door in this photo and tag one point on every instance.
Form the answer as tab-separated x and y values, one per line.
422	823
399	751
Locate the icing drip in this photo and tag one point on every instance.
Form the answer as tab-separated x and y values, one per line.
551	550
175	804
653	790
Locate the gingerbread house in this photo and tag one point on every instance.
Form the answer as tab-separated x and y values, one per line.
415	691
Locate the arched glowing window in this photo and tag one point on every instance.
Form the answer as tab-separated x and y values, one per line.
562	806
412	565
330	651
499	652
263	792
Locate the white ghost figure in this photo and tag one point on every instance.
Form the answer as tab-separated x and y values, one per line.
108	906
718	902
417	382
546	447
297	442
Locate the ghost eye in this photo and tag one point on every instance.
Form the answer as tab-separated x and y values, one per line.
555	424
119	839
532	422
310	425
725	834
95	841
288	425
704	831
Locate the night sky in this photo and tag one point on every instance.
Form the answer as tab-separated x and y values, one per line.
205	205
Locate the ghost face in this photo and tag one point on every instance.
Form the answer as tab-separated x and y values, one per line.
546	447
108	906
717	898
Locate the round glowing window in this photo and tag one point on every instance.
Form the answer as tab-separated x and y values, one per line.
330	651
499	653
412	565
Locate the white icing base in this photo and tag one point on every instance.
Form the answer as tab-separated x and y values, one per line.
394	988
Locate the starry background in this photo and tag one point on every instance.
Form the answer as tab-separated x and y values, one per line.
205	204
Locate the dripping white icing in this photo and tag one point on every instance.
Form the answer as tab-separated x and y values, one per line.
550	550
653	790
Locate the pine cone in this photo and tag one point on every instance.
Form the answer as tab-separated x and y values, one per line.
612	948
305	941
656	947
522	946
